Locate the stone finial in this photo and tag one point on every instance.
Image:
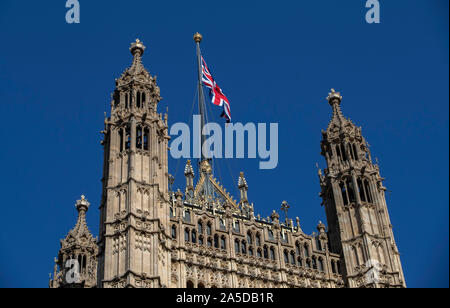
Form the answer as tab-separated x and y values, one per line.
275	216
334	97
179	195
242	182
82	204
321	227
137	47
188	170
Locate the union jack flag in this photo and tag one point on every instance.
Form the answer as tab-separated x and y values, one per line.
217	96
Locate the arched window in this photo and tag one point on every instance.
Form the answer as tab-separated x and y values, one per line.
121	139
208	229
318	244
259	253
249	238
314	263
223	244
174	232
126	101
127	138
320	265
368	191
266	252
194	236
139	137
270	233
299	262
186	235
355	153
200	227
250	251
236	246
351	190
237	226
187	215
201	286
172	213
286	257
146	138
362	196
333	266
216	241
272	253
200	240
292	258
138	101
222	224
258	239
210	242
143	98
244	247
355	253
189	284
306	250
344	192
308	263
297	248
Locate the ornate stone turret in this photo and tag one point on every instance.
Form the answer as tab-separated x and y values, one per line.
77	258
353	196
135	197
243	187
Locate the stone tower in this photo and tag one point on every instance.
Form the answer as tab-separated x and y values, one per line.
135	201
354	198
78	254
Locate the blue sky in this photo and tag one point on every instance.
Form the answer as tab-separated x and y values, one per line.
276	61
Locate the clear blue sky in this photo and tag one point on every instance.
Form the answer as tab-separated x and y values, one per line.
276	61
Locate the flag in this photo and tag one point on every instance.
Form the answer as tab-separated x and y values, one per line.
217	96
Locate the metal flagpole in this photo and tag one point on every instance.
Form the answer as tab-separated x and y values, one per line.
198	38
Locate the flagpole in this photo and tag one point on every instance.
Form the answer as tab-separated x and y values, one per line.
201	107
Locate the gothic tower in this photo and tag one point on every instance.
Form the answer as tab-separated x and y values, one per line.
354	198
134	207
77	258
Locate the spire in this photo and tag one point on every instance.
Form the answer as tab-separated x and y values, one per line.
334	99
188	170
137	50
243	187
79	245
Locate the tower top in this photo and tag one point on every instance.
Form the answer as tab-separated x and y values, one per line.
334	97
137	47
82	204
198	37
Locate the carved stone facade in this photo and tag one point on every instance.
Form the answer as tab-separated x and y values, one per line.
152	237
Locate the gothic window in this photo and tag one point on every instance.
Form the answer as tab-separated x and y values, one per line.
314	263
250	251
361	190
249	238
351	191
200	227
121	139
344	154
138	101
139	137
172	213
270	232
344	192
284	237
306	250
143	98
338	151
174	232
186	235
146	138
320	265
200	240
355	153
368	192
194	236
244	247
286	257
222	224
292	258
355	252
223	243
236	246
127	138
258	239
189	284
333	266
299	262
126	101
297	248
272	253
318	244
208	229
187	215
259	253
237	226
308	263
266	252
210	242
338	267
216	241
201	286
